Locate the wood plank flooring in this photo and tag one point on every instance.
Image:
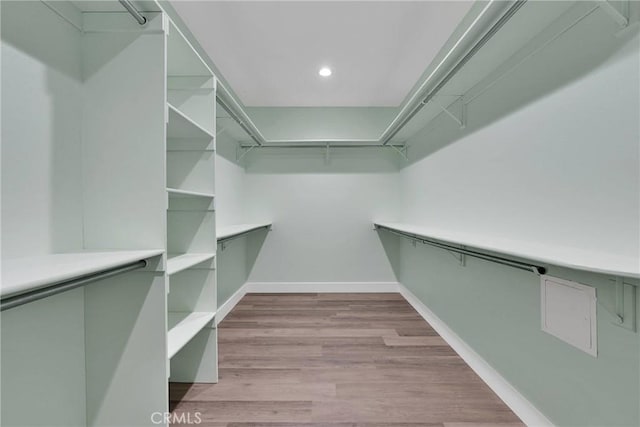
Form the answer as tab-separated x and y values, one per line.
337	360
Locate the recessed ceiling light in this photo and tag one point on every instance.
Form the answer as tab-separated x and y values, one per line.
325	71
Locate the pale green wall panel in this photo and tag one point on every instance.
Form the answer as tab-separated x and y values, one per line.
322	213
550	155
232	268
38	339
284	123
41	134
496	310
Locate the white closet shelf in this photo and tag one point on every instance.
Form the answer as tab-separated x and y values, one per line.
175	192
179	262
25	274
574	258
183	326
238	229
181	126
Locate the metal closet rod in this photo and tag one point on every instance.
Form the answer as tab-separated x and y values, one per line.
67	285
241	234
495	259
324	145
453	71
238	120
133	11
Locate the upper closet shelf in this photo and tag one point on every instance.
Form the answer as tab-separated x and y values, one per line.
179	262
574	258
20	275
232	231
181	126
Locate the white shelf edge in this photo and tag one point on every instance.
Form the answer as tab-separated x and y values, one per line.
178	192
20	275
179	335
238	229
179	262
182	115
530	252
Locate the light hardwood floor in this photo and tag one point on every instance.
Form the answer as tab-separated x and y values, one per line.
337	360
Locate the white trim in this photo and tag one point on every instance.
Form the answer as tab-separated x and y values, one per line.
231	302
528	413
302	287
320	287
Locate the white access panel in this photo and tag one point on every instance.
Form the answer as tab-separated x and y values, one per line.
569	312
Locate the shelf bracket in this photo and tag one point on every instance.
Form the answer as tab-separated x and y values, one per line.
326	153
624	311
461	258
402	150
223	246
620	18
241	152
462	120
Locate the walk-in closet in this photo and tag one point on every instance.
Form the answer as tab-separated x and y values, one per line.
320	213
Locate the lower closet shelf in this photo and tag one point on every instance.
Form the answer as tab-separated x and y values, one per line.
179	262
183	326
20	275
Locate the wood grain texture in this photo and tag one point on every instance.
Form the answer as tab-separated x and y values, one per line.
337	360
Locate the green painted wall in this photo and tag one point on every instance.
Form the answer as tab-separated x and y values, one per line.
496	310
277	123
550	156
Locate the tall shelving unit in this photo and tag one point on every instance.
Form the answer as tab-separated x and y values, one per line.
191	239
83	192
116	167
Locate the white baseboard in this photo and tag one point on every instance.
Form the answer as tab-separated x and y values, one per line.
302	287
228	305
322	287
528	413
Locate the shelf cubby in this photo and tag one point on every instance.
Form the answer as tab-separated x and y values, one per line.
191	171
182	58
183	127
184	326
191	96
179	262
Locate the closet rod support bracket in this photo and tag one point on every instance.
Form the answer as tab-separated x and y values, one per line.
624	311
242	151
402	151
462	119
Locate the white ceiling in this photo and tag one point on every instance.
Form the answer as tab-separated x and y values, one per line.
270	51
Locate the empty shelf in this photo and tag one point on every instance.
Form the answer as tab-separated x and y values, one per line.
183	326
182	58
179	262
181	126
574	258
224	233
21	275
186	193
